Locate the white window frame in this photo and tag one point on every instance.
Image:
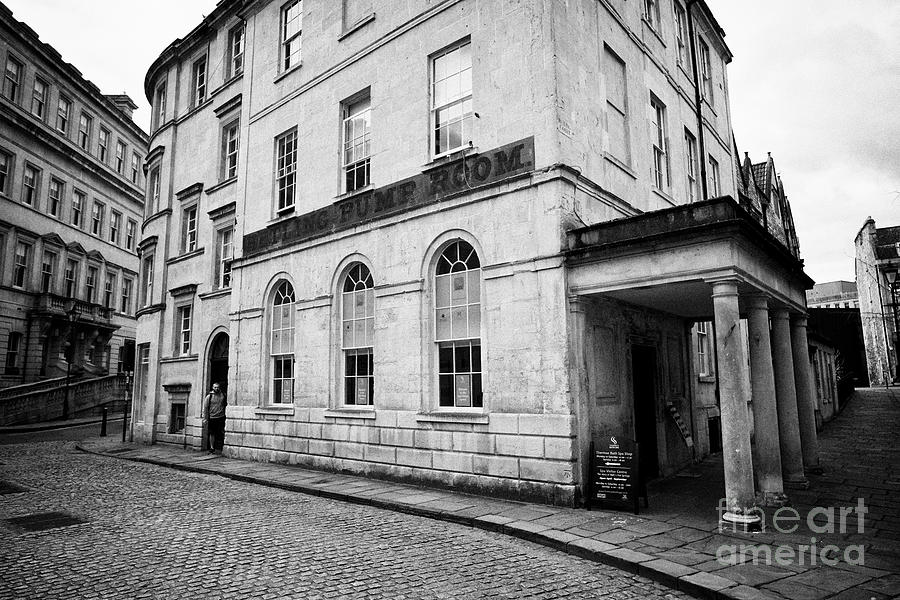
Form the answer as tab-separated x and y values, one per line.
63	114
356	148
31	186
224	256
13	349
78	201
357	310
189	222
6	170
706	72
12	81
147	279
661	176
231	133
184	321
125	298
286	172
463	99
135	168
456	273
115	224
39	100
715	181
90	283
153	191
198	86
109	290
56	191
159	106
705	354
651	14
681	34
48	269
236	50
70	277
103	144
290	20
21	264
690	151
119	161
281	344
130	232
85	125
97	211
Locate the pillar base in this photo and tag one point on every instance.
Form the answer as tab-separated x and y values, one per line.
772	499
816	470
741	522
796	483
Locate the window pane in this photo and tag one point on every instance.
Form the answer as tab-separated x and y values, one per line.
474	286
458	290
359	332
462	359
445	359
446	390
458	318
477	394
476	358
442	317
370	302
362	364
370	331
442	291
347	337
474	320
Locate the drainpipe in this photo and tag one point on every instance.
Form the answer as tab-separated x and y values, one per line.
698	99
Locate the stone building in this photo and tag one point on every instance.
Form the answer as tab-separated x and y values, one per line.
71	197
833	294
454	241
877	266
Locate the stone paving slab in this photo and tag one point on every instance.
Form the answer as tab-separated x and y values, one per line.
675	543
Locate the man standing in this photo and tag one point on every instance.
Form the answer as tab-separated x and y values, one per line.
213	415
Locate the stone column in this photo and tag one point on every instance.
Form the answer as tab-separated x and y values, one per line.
736	452
786	399
766	447
806	397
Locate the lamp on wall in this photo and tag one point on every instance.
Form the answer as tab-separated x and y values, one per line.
891	276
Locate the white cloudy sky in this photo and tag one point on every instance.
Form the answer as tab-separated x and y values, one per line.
814	82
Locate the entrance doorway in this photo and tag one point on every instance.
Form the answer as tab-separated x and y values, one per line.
218	363
643	365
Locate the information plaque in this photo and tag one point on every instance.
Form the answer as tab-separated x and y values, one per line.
615	480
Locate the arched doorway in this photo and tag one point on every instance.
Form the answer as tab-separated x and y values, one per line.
218	362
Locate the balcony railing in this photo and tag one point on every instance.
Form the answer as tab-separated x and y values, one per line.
84	310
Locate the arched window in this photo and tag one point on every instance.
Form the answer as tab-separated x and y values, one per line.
357	335
457	303
281	347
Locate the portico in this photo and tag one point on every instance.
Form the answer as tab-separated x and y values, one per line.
644	281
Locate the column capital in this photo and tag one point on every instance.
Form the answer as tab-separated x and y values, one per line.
577	303
799	320
725	286
779	312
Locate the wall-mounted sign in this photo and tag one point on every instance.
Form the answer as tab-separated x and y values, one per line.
463	391
362	391
434	185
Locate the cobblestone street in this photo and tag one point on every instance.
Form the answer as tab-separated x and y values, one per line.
152	532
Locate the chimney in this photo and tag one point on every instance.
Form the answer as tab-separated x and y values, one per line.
123	103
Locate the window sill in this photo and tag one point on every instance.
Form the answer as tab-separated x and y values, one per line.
448	157
282	214
619	165
357	26
449	416
222	184
186	256
663	195
149	310
284	74
706	378
215	294
158	214
350	413
178	359
274	410
654	31
357	192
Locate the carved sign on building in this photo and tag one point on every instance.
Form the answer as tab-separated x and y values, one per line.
439	183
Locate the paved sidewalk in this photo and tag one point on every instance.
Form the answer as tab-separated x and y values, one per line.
677	541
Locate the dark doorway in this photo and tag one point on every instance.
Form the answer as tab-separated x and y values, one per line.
218	363
643	365
715	434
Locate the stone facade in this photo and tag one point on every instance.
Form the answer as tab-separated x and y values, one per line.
71	194
490	356
878	256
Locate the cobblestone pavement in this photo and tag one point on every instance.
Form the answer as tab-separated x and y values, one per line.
153	532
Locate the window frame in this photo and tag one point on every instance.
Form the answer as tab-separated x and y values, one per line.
289	59
7	169
77	216
705	350
146	293
130	234
450	379
103	138
63	117
461	99
135	168
682	55
692	171
98	210
54	202
651	14
706	86
85	129
31	191
199	87
115	225
190	217
12	87
41	100
276	396
22	268
357	284
109	290
222	262
235	57
91	280
611	55
126	295
13	350
285	175
70	277
159	105
349	119
184	326
662	176
48	271
119	157
153	190
715	178
229	156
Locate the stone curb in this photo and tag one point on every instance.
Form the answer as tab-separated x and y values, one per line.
57	425
674	575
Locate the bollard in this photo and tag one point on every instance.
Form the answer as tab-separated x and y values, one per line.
103	424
